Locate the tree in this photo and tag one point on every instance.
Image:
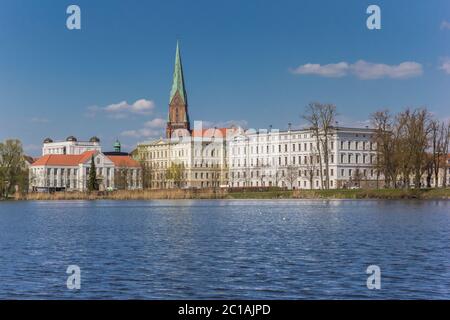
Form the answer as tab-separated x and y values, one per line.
92	179
434	161
414	130
121	176
321	118
176	173
146	174
386	144
291	175
445	145
12	167
310	166
356	178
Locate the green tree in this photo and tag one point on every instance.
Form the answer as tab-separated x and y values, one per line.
176	173
12	167
92	180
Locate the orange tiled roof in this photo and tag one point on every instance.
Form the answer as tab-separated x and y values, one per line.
65	160
124	161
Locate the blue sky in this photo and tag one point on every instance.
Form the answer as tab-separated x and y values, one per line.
253	62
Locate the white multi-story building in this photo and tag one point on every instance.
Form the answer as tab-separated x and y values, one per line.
65	167
238	158
70	146
291	159
200	155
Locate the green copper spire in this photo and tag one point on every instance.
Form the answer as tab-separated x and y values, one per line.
117	146
178	79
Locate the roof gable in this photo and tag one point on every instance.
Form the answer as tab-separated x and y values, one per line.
64	160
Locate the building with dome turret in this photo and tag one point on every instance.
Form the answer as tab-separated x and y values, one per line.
70	146
65	166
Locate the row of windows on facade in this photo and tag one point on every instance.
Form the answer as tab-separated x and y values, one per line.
349	145
301	173
197	164
203	184
196	175
74	172
75	183
349	159
283	184
278	137
178	153
63	150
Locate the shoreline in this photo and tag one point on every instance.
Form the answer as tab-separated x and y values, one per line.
223	194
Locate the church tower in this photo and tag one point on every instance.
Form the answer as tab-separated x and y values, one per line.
178	106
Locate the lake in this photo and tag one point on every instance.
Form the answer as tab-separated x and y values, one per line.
225	249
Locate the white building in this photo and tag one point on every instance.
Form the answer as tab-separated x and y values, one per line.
290	159
64	166
202	155
70	146
237	158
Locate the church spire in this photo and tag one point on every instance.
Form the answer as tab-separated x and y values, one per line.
178	117
178	78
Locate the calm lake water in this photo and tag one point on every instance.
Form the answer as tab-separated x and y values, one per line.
225	249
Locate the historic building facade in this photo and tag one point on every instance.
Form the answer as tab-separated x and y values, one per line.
70	146
292	160
234	157
186	157
65	166
200	160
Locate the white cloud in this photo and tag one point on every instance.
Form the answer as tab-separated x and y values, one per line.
122	109
362	69
445	25
141	106
366	70
445	65
333	70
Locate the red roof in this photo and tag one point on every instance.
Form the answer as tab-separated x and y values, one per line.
65	160
124	161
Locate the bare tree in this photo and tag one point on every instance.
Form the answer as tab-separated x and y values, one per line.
386	144
291	175
311	166
437	132
312	116
146	174
445	145
414	129
121	177
321	118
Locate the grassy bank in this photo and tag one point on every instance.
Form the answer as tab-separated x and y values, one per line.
130	195
224	194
